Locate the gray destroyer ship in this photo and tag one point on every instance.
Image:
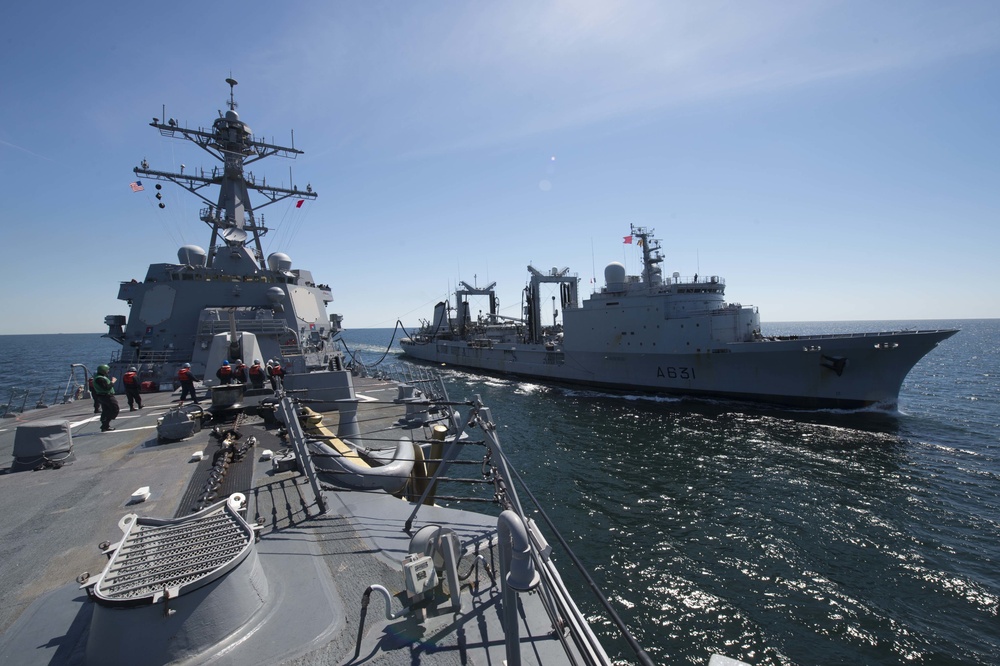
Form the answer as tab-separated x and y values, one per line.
230	301
668	335
258	526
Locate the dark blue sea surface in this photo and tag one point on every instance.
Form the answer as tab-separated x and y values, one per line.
776	537
36	368
771	536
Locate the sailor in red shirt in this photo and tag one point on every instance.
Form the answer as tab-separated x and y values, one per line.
256	373
131	381
275	372
239	371
187	379
225	373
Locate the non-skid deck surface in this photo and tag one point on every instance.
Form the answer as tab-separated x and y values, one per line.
239	476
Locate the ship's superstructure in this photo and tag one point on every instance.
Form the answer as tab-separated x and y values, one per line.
230	301
670	335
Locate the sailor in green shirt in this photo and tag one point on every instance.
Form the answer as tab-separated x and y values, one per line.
104	393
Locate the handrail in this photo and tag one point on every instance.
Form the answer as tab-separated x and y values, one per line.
553	593
22	398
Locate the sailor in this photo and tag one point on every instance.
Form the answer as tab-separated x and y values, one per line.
187	379
277	373
270	374
225	373
131	381
240	372
93	394
256	373
104	390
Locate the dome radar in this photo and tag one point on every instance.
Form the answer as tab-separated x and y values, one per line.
614	276
279	262
192	255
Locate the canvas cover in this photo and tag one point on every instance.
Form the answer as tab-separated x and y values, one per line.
42	444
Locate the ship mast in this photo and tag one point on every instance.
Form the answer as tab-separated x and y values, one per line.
230	141
651	256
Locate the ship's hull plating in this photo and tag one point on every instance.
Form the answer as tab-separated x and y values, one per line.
841	371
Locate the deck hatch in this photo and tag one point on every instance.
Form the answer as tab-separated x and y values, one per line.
164	557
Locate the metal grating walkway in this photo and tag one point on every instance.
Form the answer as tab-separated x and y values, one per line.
157	557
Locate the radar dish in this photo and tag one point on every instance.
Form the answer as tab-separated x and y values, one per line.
234	234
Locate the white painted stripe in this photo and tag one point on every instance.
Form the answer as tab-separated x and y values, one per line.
98	418
120	417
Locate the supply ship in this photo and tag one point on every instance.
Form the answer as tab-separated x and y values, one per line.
672	335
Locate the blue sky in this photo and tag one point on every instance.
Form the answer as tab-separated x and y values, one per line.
830	160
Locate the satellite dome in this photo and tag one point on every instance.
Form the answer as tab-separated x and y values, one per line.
192	255
614	276
279	261
232	115
275	294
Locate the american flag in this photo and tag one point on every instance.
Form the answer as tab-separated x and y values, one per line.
137	186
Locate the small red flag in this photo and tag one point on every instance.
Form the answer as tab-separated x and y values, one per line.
628	240
299	203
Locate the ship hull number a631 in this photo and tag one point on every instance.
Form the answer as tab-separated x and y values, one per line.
670	372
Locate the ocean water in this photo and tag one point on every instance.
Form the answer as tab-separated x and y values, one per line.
775	537
36	368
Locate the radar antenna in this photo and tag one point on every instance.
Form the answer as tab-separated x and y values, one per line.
230	141
232	100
